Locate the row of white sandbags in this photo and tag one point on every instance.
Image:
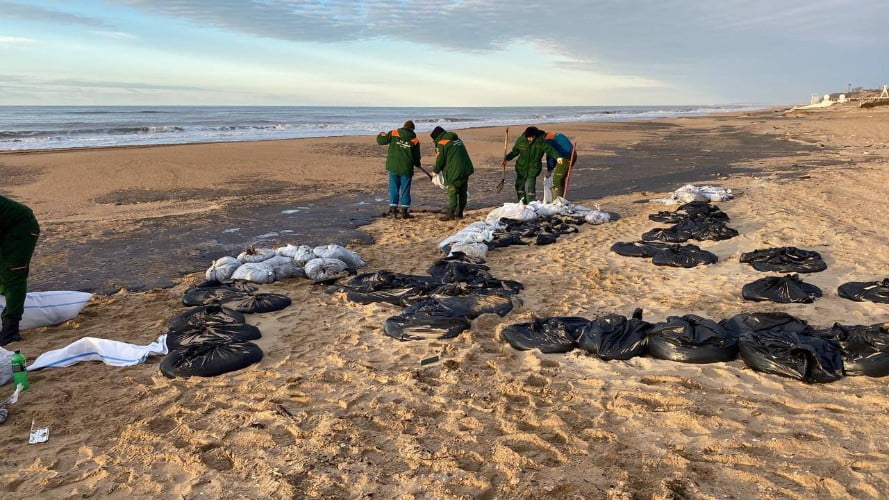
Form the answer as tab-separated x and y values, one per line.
689	193
471	239
266	265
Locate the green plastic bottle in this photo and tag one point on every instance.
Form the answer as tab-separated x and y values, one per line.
19	373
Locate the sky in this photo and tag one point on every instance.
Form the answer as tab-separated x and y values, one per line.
438	53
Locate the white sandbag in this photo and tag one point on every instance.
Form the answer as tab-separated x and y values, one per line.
474	233
483	226
222	269
323	269
110	352
302	254
5	366
352	259
50	308
284	267
597	217
293	250
545	209
665	201
714	193
254	255
689	193
474	250
514	211
257	272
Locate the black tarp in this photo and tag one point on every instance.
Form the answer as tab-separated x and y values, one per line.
803	357
686	256
615	337
781	289
691	339
866	291
785	260
209	359
549	335
865	347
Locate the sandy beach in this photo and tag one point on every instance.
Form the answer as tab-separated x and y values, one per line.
337	409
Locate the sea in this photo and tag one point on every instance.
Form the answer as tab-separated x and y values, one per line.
54	127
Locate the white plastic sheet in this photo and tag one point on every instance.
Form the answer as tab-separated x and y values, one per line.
50	308
515	211
110	352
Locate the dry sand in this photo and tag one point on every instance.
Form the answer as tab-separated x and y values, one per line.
337	409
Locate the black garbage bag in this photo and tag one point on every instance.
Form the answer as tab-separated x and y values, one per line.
504	240
490	287
785	260
396	296
803	357
686	256
691	210
615	337
546	239
425	326
210	359
713	231
645	249
470	306
573	219
669	235
861	291
549	335
211	333
211	315
691	339
201	296
239	285
763	322
865	348
258	303
455	270
388	280
781	289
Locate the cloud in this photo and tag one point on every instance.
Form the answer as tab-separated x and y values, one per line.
14	40
25	12
116	35
35	83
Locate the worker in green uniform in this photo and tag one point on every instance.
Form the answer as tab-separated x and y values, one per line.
18	237
402	157
452	161
530	148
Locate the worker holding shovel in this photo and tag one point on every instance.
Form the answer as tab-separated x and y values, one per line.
18	237
402	157
530	148
452	161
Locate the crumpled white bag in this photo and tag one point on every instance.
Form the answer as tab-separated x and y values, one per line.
474	233
222	269
323	269
689	193
438	180
5	366
544	209
257	272
474	250
253	255
597	217
352	259
548	189
514	211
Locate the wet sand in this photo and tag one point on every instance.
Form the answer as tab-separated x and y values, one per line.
139	218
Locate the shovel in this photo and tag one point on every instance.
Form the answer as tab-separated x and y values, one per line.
500	184
425	172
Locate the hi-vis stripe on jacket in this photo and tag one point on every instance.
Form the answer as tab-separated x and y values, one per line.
404	150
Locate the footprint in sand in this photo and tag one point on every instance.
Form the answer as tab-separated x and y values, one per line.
215	458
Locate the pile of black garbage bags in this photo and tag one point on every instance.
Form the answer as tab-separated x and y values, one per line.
776	343
214	337
439	305
788	288
540	231
698	220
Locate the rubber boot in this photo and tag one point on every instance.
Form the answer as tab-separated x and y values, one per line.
393	212
10	331
458	214
405	214
448	216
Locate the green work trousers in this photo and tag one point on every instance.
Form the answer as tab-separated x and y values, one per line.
457	195
526	186
559	174
16	248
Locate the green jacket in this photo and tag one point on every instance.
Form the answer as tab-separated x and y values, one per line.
12	214
452	158
404	150
530	154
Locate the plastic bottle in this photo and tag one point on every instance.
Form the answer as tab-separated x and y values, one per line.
19	374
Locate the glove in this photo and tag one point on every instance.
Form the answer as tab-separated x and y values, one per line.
560	160
504	163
